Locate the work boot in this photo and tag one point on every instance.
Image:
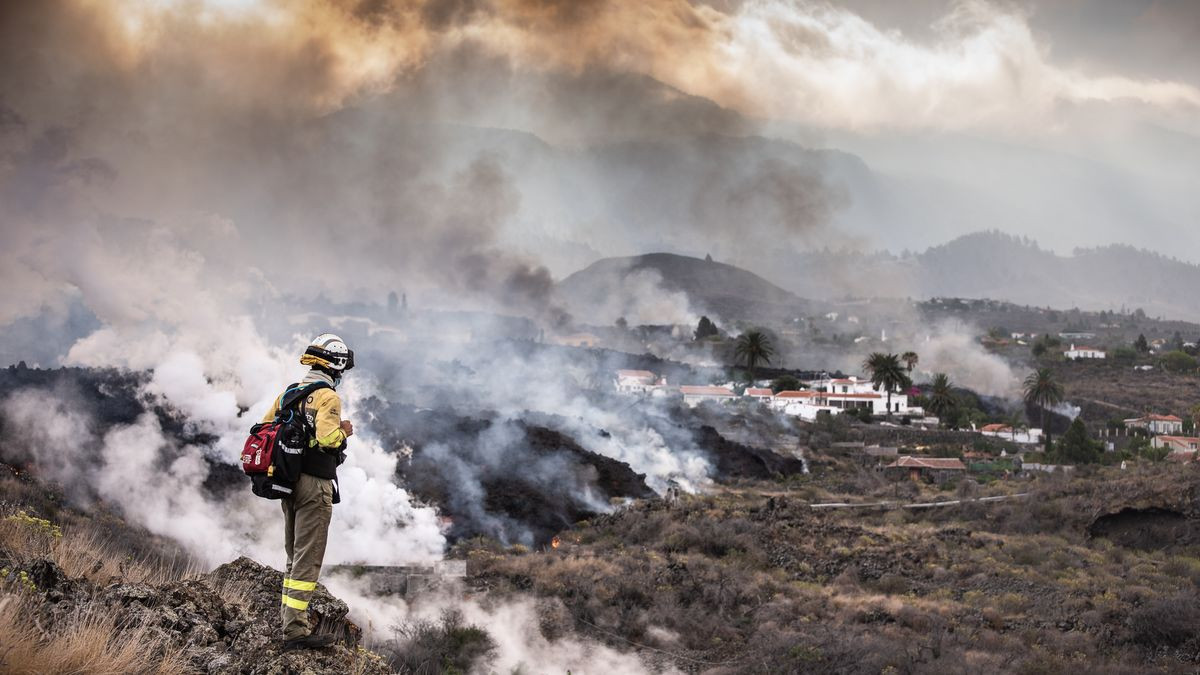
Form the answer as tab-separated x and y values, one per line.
310	641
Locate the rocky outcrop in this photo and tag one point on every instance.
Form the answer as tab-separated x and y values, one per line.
223	622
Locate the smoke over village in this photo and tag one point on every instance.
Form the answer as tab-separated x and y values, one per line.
729	336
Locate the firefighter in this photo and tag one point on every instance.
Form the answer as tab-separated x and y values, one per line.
308	510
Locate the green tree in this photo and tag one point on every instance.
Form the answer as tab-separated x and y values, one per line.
1043	391
706	328
886	373
910	360
752	348
1077	447
1178	362
785	383
941	396
1124	355
1141	345
1039	349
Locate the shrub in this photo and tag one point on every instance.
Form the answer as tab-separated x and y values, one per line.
426	647
1166	622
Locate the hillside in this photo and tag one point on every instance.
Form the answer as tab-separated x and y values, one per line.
1110	277
615	287
1003	267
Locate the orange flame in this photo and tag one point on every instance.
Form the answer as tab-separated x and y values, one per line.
555	542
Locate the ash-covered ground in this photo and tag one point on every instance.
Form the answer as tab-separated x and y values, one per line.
517	478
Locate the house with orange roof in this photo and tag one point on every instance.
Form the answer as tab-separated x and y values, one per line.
800	403
929	469
1075	353
694	395
1006	432
760	394
1169	425
1176	443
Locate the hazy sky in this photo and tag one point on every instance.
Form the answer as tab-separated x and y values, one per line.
482	148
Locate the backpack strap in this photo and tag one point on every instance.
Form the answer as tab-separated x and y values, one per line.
296	393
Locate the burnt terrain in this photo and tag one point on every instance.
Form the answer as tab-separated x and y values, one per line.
741	582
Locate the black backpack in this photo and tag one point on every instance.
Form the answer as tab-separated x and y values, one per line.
273	455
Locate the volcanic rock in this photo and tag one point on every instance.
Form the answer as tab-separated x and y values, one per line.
735	460
224	622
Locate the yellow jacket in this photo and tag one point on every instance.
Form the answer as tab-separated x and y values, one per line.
323	408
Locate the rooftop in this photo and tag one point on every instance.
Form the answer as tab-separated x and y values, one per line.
640	374
796	394
704	390
909	462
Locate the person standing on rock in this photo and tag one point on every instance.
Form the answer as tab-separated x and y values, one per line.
308	510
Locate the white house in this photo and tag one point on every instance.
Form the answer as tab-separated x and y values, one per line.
1157	424
1004	431
760	394
694	395
783	399
637	381
1176	443
1084	353
845	385
854	392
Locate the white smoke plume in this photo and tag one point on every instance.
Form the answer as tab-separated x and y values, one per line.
513	624
957	352
376	524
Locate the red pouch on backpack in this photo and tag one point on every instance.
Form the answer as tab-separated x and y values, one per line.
260	448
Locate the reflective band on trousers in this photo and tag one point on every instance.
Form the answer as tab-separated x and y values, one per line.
298	585
295	604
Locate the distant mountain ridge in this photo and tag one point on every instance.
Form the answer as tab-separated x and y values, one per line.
989	265
1003	267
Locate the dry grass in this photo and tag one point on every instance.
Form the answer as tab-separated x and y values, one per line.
87	642
84	553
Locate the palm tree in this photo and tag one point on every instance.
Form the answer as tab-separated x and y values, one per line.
886	373
1043	391
752	348
910	360
941	395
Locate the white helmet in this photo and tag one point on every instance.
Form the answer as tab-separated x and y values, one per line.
330	352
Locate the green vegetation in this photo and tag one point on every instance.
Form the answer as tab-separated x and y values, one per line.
1178	362
1077	447
886	372
706	329
753	348
785	383
1141	345
1043	391
941	396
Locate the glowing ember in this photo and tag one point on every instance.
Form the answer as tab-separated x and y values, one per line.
554	543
